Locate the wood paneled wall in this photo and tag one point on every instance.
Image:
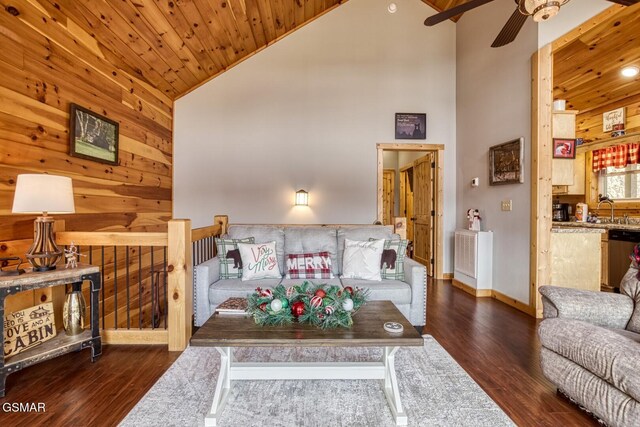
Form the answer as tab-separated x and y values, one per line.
589	123
45	65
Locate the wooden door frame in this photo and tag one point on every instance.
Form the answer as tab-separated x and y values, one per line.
393	194
541	159
438	150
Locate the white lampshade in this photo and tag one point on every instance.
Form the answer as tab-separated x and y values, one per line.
38	193
302	198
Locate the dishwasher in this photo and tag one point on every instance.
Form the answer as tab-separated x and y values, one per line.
621	243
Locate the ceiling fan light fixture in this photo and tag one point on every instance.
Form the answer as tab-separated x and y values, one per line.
393	8
541	10
630	71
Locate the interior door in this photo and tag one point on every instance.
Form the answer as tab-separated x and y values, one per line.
423	205
406	199
388	195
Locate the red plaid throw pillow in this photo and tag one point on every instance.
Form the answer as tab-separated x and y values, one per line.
309	266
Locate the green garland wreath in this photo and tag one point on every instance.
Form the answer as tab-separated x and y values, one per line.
321	305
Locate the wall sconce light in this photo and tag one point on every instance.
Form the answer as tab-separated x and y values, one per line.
43	194
302	198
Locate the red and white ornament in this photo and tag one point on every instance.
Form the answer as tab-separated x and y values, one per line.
291	291
266	293
348	289
329	310
316	301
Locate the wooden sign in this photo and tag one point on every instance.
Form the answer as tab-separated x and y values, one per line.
613	120
28	328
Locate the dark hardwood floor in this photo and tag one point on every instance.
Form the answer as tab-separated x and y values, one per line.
496	344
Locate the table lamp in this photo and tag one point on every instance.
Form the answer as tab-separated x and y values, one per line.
43	194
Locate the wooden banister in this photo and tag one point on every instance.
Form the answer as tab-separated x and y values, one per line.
101	238
204	232
180	285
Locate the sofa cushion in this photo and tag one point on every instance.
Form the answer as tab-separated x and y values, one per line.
392	262
223	289
361	232
627	334
301	240
262	234
630	286
361	260
601	351
259	261
291	282
392	290
230	259
309	266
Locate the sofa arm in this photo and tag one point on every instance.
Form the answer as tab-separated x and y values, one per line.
415	274
204	275
598	308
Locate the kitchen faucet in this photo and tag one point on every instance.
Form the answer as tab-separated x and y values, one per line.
605	199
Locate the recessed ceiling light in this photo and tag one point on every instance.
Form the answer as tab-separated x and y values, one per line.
393	8
630	71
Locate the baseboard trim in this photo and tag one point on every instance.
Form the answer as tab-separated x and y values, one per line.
478	293
492	293
447	276
512	302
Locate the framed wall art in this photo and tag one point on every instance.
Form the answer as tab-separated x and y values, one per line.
411	126
564	148
92	136
613	120
506	163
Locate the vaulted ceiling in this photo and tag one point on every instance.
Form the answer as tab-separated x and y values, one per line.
175	45
586	72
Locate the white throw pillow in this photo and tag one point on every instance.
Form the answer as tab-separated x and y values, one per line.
259	261
361	260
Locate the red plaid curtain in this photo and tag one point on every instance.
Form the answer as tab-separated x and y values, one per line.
617	156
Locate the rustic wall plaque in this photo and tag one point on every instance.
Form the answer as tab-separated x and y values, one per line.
28	328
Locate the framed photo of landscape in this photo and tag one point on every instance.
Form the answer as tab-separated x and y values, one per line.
411	126
506	163
92	136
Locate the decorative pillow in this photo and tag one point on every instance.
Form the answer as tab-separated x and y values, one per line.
392	261
309	266
361	260
259	261
230	261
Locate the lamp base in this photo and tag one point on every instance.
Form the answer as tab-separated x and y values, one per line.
43	254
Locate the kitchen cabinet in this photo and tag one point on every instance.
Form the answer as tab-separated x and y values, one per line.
563	170
576	260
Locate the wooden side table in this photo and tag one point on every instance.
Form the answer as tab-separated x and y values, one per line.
61	343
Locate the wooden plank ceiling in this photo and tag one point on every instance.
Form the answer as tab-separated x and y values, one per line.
586	72
176	45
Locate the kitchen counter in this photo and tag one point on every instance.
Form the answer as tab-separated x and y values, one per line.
576	230
602	226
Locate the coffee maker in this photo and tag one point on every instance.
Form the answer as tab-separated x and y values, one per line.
560	212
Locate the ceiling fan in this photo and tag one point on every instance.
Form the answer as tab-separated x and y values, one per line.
540	10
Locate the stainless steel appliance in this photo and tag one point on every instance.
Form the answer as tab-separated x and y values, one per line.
560	212
621	243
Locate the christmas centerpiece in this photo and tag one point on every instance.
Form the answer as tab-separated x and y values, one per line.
320	305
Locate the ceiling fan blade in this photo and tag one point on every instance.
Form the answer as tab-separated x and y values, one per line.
450	13
625	2
510	29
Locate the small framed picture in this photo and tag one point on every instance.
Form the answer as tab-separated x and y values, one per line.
564	148
506	162
411	126
613	120
92	136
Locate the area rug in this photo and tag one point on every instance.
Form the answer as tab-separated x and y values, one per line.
435	391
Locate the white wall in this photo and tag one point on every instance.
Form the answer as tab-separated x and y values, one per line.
571	15
494	106
307	113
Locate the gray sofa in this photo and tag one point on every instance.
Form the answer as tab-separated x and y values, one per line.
409	295
591	348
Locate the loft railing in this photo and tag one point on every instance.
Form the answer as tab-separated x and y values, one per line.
203	244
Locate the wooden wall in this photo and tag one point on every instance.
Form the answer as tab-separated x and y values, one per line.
45	65
589	123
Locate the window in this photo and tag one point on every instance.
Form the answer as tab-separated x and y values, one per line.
620	184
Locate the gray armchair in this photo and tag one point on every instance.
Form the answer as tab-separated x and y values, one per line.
591	348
